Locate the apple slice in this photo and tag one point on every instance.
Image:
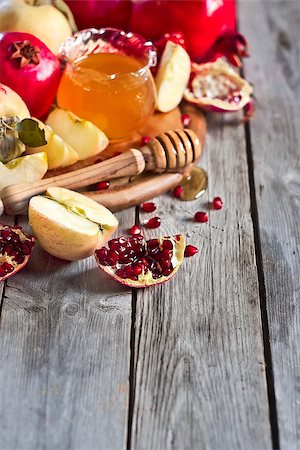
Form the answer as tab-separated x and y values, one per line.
83	136
172	77
24	169
59	153
70	225
11	104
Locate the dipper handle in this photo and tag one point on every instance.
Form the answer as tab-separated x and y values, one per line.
168	152
15	198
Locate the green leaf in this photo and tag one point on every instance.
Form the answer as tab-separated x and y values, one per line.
30	133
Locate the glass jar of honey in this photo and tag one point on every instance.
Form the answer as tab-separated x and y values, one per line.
107	80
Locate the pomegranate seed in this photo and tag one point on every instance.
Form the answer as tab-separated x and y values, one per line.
201	216
148	207
145	140
190	250
2	271
19	259
135	230
8	267
114	244
129	271
185	120
167	271
112	258
144	262
121	273
217	203
102	254
177	191
154	222
26	249
167	245
137	269
164	255
102	185
153	243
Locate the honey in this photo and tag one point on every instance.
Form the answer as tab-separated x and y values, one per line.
112	90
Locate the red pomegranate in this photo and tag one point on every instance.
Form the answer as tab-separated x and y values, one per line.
30	69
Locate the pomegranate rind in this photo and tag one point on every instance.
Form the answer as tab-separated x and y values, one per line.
4	257
212	71
145	279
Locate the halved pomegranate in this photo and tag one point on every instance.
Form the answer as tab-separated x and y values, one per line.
138	263
15	250
216	86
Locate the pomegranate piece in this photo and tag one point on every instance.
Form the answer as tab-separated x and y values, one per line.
148	207
217	203
185	120
217	87
102	185
190	250
231	45
177	191
145	140
142	263
154	222
201	217
134	230
15	250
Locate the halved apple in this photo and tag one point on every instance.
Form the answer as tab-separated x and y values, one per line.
172	76
69	225
24	169
11	104
83	136
59	153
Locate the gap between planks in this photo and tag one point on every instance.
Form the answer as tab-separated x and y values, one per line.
262	294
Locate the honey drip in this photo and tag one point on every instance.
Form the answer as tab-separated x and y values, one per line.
194	184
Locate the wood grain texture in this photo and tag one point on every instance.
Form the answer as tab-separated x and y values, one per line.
65	349
199	372
273	33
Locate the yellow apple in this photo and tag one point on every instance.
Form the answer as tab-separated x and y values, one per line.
59	153
42	20
83	136
172	77
69	225
24	169
11	104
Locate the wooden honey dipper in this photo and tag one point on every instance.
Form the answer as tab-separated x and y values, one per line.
168	152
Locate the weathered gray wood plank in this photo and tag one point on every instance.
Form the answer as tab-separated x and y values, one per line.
65	350
273	30
199	362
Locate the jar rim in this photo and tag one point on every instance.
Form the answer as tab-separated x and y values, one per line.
111	40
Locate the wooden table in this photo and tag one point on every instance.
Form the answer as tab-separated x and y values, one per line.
210	360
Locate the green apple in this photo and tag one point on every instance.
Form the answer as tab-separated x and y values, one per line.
59	153
37	17
172	77
24	169
83	136
11	104
69	225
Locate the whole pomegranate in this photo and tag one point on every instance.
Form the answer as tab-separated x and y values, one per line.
106	13
200	21
30	69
